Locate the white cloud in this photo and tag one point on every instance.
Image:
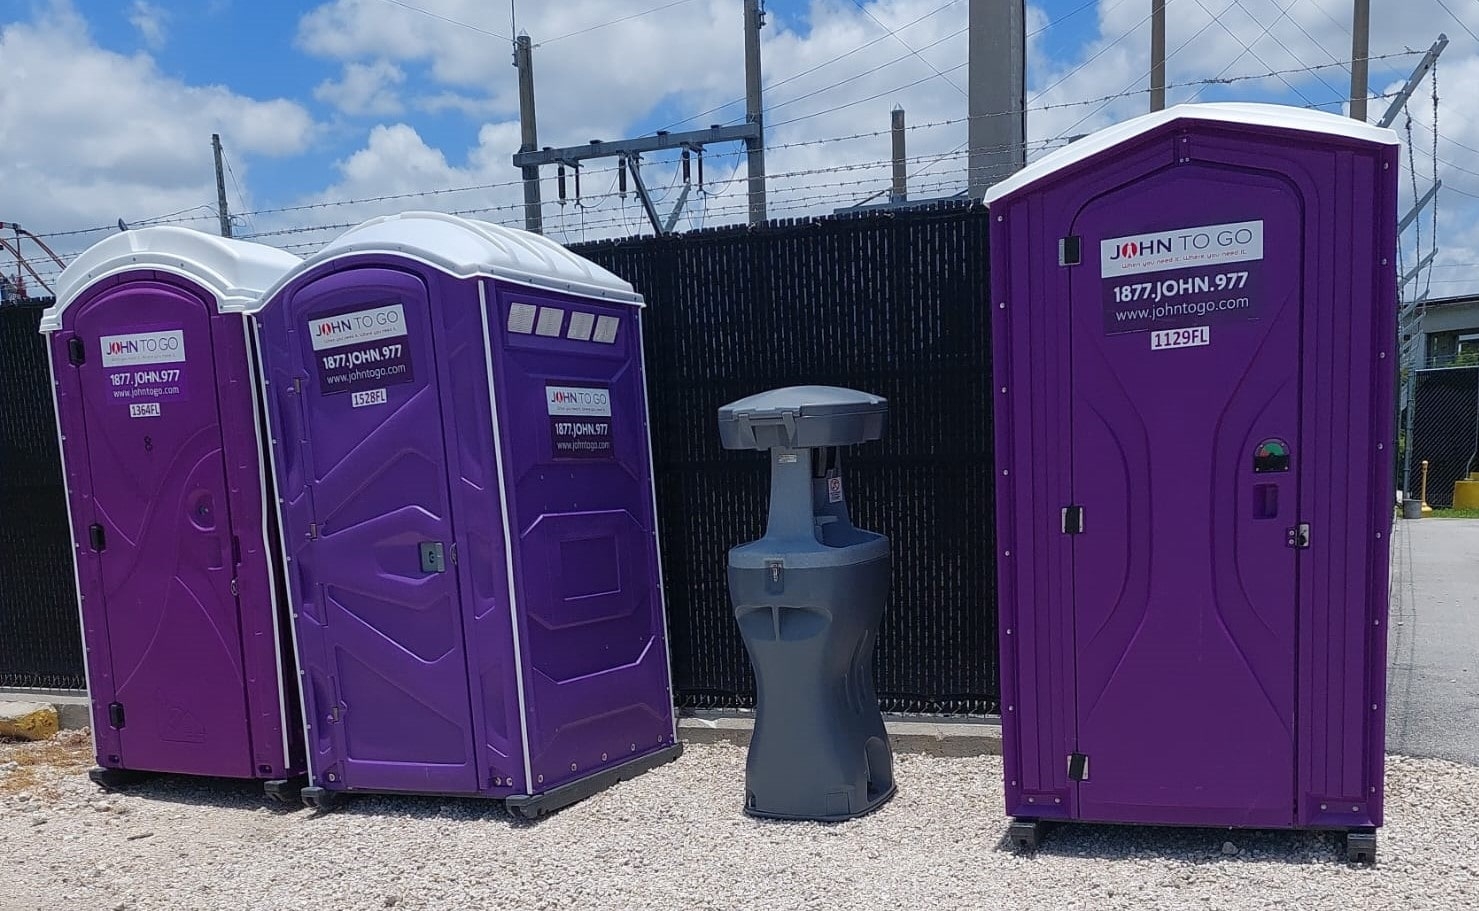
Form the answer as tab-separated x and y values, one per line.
152	22
110	135
364	89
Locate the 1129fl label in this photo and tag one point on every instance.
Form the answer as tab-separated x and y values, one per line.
1190	337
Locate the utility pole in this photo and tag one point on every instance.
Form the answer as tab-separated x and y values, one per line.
755	110
1157	55
901	174
1360	51
997	63
221	187
528	133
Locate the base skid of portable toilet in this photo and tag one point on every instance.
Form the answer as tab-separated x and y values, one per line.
156	399
460	439
1195	350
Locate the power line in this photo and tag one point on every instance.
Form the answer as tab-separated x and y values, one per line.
1461	23
806	72
865	100
448	20
869	72
655	9
1100	53
894	35
1246	47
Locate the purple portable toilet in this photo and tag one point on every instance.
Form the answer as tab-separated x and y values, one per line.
158	419
1195	351
459	425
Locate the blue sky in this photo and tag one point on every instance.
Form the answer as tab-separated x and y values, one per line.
333	104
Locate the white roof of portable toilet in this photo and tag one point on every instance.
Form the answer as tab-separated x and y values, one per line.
235	271
465	247
1265	115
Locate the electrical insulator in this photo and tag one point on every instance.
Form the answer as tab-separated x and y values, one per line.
685	166
700	170
577	184
621	177
560	179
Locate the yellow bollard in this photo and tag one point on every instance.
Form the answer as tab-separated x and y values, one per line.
1426	508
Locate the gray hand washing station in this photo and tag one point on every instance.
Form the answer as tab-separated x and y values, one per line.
809	597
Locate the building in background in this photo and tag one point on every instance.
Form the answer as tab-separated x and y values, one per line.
1449	332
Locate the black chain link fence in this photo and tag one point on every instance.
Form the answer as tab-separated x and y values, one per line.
40	641
893	303
1445	430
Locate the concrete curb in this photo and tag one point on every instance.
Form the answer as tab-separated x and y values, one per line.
74	711
909	733
934	736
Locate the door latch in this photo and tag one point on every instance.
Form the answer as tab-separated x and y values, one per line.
1078	767
115	715
1298	536
433	557
1073	520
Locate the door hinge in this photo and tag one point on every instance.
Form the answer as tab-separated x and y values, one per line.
76	351
1070	250
235	590
313	531
334	714
115	714
452	553
1298	536
235	550
1078	767
1073	520
97	538
297	385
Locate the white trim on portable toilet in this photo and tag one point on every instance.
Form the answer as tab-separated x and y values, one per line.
272	566
1264	115
235	271
264	389
61	443
508	541
466	248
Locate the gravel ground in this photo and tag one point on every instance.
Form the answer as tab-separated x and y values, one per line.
675	838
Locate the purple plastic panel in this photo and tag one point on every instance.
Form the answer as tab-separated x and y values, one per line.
356	403
576	465
413	677
162	461
1208	376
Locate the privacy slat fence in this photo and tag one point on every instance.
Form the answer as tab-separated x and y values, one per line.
40	641
894	303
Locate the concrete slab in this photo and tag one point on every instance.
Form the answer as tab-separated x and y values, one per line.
1433	640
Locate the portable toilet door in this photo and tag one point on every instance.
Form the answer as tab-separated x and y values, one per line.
459	432
158	421
1194	330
